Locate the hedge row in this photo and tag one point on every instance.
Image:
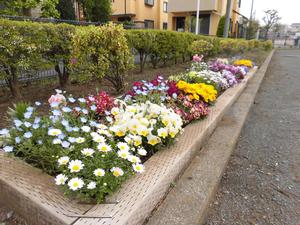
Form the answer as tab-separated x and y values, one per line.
160	46
100	52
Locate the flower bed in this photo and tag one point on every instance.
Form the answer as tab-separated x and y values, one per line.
93	144
106	145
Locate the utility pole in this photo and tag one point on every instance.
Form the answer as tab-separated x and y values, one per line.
197	17
227	21
251	18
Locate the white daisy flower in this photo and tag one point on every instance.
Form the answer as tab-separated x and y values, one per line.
60	179
64	160
87	152
139	168
75	184
102	147
75	166
124	154
80	140
54	132
91	185
99	172
123	146
134	159
117	172
98	138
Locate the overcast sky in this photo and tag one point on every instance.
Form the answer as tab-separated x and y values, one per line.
289	10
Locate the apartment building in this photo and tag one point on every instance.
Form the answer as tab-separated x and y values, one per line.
151	14
182	16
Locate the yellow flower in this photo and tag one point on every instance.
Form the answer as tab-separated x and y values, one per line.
243	62
207	92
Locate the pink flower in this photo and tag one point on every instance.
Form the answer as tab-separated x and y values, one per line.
73	61
197	58
58	98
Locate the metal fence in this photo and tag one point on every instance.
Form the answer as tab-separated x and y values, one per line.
134	25
32	76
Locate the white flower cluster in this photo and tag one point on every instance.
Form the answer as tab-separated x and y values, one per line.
145	121
212	76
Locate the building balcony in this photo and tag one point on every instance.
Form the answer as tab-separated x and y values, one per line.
123	7
177	6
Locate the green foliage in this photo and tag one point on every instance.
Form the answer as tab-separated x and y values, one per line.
23	7
27	46
66	9
59	54
201	47
141	41
22	45
267	45
49	9
102	52
18	110
221	26
97	10
252	29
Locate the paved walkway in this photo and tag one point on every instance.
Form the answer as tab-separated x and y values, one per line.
262	181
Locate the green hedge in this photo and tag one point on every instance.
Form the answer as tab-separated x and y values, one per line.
158	46
27	46
101	52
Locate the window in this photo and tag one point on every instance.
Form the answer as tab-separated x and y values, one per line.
180	24
165	26
165	7
149	24
204	23
149	2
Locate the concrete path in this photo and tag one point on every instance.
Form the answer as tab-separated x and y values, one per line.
261	184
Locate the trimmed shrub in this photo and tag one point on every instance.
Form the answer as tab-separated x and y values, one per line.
141	42
60	37
102	52
201	47
22	46
242	45
267	45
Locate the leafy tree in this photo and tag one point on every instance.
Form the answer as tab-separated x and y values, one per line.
18	7
271	18
49	8
221	26
66	9
23	7
252	29
97	10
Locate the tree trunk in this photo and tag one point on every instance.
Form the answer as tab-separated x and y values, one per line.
63	76
142	62
14	84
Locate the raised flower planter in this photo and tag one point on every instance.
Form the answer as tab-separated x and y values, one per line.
33	194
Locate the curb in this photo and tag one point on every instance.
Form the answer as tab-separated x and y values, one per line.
188	202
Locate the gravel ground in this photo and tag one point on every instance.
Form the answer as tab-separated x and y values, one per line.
261	184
